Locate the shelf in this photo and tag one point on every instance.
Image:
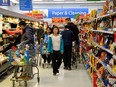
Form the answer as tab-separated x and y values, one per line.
6	44
107	15
109	51
89	21
114	56
14	14
96	72
2	61
6	37
102	31
89	74
104	66
114	29
82	34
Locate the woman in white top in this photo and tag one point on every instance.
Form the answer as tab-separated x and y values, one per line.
55	49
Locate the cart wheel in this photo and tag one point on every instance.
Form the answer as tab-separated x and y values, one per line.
38	79
25	83
13	83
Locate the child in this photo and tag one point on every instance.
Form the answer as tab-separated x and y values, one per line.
43	46
55	49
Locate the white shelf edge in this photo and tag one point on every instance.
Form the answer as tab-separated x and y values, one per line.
108	32
114	13
109	51
114	29
6	44
114	56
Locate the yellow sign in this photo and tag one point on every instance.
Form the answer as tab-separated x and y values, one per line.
35	12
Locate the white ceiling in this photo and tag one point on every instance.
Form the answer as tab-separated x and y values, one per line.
61	1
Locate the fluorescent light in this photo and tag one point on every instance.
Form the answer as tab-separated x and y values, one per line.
61	2
81	2
58	0
14	1
36	0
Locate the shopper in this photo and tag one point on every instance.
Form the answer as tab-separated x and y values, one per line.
56	49
45	39
68	38
73	28
40	32
27	38
14	39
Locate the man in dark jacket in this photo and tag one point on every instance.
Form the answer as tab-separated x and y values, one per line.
28	33
73	28
40	32
68	38
27	38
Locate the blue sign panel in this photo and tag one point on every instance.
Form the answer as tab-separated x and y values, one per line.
4	2
68	12
25	5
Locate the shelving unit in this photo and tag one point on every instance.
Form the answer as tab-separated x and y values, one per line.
102	31
6	14
94	41
109	51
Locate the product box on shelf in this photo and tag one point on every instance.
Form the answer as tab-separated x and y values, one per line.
93	14
114	23
99	11
112	6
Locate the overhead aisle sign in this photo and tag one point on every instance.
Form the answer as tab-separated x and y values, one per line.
25	5
4	2
67	12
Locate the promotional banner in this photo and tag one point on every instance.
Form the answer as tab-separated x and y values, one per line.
25	5
67	12
4	2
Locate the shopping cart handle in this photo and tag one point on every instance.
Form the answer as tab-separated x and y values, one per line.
21	44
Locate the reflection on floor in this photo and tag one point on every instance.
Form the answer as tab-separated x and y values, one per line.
74	78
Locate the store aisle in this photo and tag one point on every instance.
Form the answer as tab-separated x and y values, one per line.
74	78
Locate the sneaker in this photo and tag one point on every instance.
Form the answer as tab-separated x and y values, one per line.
57	71
54	74
65	68
69	68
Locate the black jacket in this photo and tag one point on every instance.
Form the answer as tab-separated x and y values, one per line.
40	33
28	35
75	30
68	37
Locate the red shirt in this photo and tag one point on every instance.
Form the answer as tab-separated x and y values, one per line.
13	32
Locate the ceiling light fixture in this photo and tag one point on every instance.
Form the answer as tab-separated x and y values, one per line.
14	1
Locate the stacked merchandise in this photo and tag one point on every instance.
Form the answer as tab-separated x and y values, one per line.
98	45
7	24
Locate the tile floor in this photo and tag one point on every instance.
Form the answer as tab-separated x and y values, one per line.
73	78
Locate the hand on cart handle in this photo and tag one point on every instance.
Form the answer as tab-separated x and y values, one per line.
21	44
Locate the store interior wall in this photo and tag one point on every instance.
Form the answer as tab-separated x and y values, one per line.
15	7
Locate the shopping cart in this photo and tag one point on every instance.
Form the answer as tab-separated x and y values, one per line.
23	60
43	53
75	57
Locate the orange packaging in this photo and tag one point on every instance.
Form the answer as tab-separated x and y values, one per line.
101	42
102	55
